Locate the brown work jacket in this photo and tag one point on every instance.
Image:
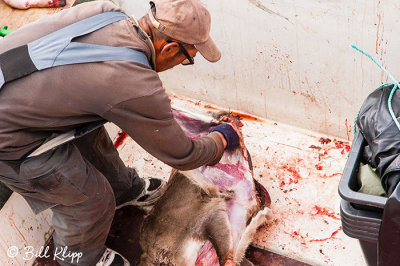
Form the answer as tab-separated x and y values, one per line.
123	92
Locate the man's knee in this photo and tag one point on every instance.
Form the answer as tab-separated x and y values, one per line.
101	197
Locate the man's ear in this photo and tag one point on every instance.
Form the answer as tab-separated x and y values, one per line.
170	49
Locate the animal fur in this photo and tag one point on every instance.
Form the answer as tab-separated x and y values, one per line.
180	223
184	219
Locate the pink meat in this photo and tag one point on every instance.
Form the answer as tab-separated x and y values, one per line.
25	4
233	173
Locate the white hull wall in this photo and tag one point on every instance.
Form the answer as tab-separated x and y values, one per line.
290	61
22	231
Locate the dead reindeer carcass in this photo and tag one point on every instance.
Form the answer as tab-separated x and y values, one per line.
207	216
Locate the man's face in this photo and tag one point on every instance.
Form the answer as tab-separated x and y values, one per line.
171	55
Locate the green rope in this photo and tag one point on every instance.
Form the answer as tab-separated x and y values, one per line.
355	122
395	83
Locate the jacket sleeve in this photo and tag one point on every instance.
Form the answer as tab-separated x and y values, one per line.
150	122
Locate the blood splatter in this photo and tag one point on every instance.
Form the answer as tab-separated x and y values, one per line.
318	167
341	145
294	172
320	155
330	176
377	33
296	235
210	107
324	140
244	116
315	147
120	139
324	239
338	144
324	211
348	131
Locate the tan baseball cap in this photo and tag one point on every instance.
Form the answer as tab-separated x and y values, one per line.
188	21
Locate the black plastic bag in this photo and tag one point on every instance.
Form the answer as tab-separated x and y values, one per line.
382	152
382	135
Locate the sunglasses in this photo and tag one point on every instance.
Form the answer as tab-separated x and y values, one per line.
189	60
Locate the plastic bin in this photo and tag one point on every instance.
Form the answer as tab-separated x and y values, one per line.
361	214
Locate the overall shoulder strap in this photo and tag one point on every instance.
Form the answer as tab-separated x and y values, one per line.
77	53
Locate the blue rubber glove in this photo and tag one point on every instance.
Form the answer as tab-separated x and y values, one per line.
230	135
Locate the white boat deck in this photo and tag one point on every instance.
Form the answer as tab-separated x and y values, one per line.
300	169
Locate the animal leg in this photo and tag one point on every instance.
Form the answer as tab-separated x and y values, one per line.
218	232
262	217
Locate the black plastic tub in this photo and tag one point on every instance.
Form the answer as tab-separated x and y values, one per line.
361	214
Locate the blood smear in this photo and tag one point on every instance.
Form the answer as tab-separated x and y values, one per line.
120	139
324	211
247	117
324	239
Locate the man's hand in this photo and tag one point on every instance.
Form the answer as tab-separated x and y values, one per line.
229	136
